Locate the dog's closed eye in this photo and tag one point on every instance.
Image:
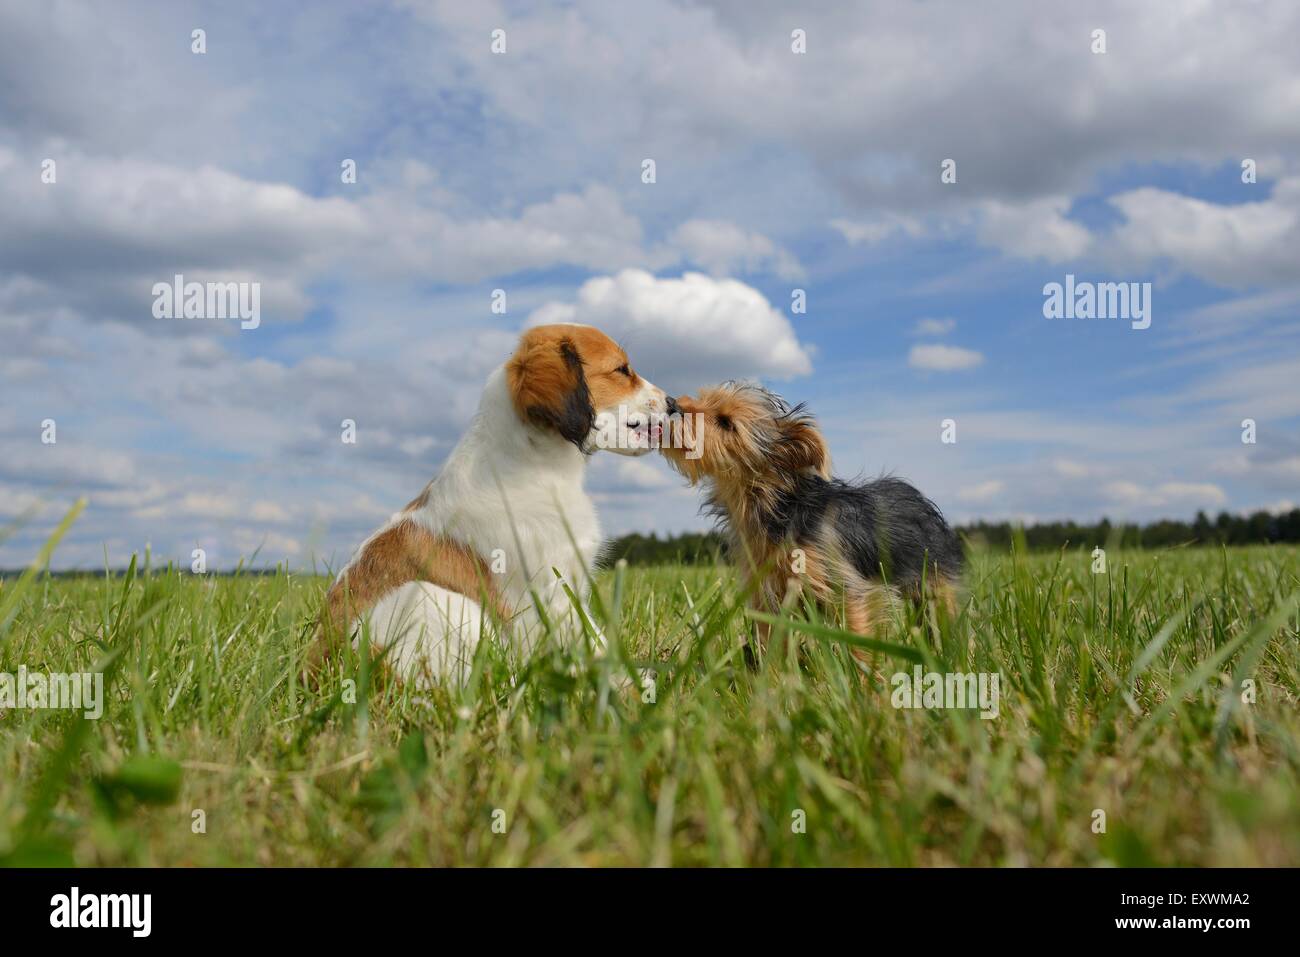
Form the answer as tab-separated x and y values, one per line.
724	422
624	370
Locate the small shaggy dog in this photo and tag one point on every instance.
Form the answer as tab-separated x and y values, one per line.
856	546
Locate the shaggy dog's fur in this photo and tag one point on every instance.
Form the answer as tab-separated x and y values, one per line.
855	546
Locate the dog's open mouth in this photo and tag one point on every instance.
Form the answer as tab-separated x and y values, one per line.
646	437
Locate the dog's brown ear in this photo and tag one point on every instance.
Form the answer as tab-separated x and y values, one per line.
548	388
802	447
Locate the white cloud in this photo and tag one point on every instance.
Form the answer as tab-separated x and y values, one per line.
983	492
100	237
723	248
873	231
1289	467
1036	229
688	330
1040	124
1198	492
71	458
1260	390
270	546
1231	245
15	503
617	473
1183	494
1067	468
589	229
134	209
940	358
934	327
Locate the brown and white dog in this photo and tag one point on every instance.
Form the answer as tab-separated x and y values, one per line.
506	512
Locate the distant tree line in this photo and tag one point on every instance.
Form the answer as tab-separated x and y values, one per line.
693	548
690	548
1254	529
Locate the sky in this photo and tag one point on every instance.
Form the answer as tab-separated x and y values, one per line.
916	172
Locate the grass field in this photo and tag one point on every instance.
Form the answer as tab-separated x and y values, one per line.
1120	693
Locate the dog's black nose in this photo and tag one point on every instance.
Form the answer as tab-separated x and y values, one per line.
672	405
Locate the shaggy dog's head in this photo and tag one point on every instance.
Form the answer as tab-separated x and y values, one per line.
742	436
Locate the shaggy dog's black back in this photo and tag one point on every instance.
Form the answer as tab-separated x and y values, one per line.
885	527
